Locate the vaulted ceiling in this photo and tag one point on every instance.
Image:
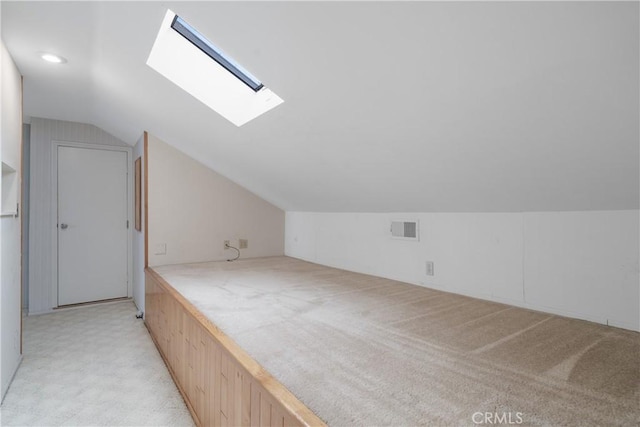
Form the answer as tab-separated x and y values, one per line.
412	106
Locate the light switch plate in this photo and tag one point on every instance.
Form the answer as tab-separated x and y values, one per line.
161	249
243	243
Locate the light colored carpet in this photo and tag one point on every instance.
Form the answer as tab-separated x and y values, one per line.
362	350
92	365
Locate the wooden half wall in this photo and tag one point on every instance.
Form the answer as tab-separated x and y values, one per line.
220	383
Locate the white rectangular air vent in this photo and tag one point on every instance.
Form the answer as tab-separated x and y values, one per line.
407	230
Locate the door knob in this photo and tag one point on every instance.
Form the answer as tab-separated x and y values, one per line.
64	226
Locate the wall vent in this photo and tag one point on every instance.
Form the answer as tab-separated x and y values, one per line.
406	230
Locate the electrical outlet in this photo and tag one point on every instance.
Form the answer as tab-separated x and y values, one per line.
226	244
243	244
429	268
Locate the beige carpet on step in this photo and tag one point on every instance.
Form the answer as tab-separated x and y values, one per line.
362	350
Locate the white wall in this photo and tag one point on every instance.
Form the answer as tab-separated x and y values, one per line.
578	264
26	155
138	236
11	136
193	209
44	132
585	263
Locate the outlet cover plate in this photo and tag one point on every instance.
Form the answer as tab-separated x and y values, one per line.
429	265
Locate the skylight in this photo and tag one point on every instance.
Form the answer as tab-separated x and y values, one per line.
191	34
185	57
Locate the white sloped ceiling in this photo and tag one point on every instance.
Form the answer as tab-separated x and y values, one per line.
505	106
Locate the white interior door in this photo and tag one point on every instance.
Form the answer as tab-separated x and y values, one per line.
92	225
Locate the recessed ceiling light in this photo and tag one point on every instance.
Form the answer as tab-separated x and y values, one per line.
50	57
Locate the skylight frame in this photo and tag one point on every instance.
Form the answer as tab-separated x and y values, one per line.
197	39
184	64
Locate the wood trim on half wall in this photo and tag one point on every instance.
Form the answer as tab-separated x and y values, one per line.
220	383
146	198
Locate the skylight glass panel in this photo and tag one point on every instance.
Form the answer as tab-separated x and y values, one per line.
191	34
188	59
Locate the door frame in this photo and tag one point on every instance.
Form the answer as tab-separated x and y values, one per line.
54	209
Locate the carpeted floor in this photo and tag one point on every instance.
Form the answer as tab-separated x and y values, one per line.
92	366
362	350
